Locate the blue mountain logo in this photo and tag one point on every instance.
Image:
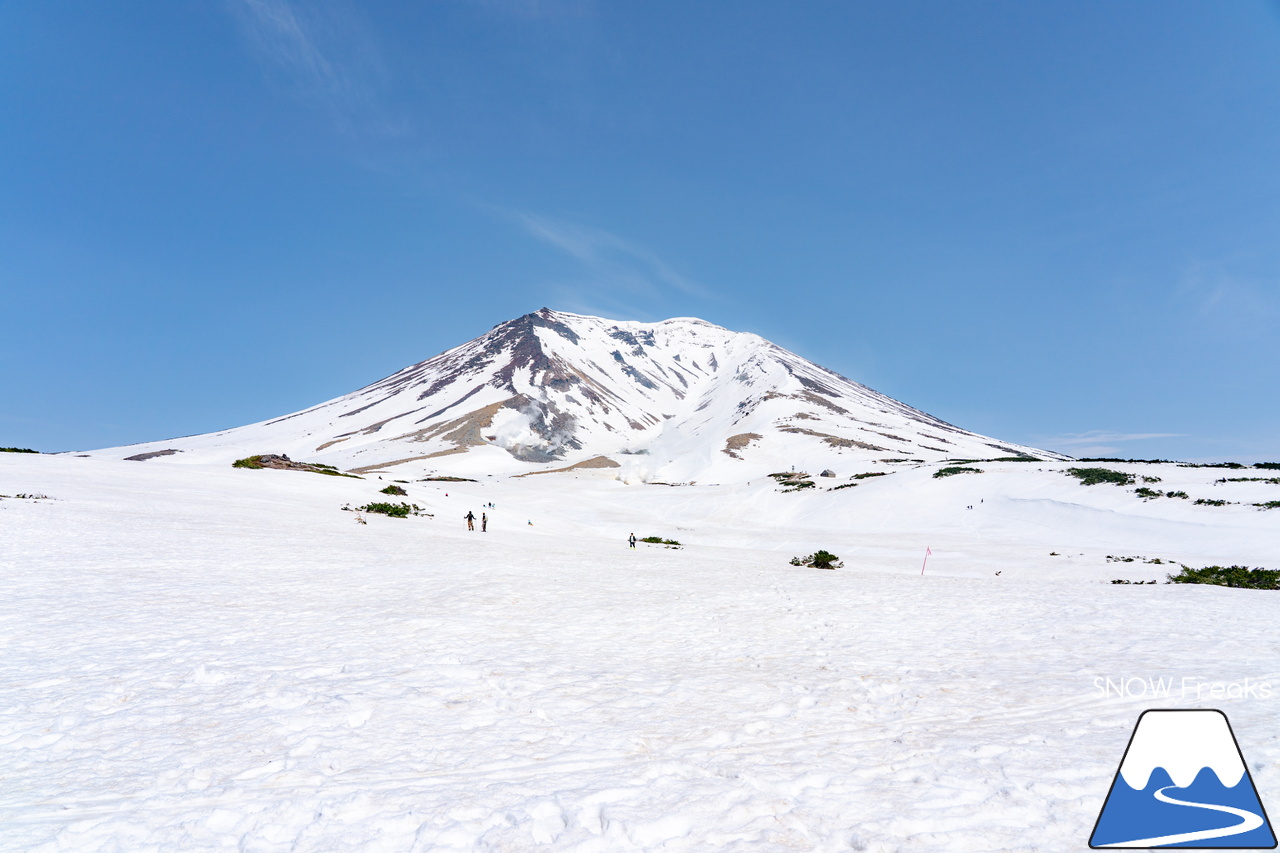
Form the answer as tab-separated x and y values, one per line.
1183	782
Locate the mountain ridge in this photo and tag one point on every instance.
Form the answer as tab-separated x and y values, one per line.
680	398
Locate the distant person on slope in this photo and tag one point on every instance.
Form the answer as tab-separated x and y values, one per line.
471	520
632	540
484	522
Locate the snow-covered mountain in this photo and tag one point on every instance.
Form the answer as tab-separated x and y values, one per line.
681	399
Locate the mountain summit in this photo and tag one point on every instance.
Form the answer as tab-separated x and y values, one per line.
681	399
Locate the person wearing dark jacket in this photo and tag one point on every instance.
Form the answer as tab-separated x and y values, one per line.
471	520
632	540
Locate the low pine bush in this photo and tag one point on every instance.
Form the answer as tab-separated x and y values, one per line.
17	450
400	510
818	560
1240	577
955	469
658	540
1093	476
394	490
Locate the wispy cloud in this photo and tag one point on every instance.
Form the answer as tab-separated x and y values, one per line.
617	269
1224	298
326	53
1098	442
1097	436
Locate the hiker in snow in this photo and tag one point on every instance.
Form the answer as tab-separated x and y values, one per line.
632	540
471	520
484	522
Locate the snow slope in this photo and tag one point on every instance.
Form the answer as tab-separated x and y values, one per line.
205	658
680	400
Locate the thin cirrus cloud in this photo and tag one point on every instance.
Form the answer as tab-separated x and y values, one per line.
326	53
618	269
1099	442
1104	437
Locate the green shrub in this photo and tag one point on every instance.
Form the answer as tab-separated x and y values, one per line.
1209	502
818	560
1240	577
247	462
869	474
401	510
1133	582
1144	492
794	479
393	490
1014	459
1147	479
448	480
842	486
658	540
1093	476
17	450
1182	495
1134	461
1269	505
955	469
1274	466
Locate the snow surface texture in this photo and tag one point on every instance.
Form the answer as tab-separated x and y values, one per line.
678	400
205	658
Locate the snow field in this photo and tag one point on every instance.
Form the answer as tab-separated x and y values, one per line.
206	659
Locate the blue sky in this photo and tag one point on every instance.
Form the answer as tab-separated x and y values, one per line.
1055	223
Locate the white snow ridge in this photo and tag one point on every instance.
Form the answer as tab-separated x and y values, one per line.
201	657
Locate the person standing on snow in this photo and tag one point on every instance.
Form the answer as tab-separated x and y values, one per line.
471	520
484	522
632	540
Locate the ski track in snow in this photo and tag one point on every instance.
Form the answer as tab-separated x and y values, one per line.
202	659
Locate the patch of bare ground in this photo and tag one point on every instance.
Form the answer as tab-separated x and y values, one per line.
373	469
143	457
464	431
739	442
833	440
281	462
594	462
